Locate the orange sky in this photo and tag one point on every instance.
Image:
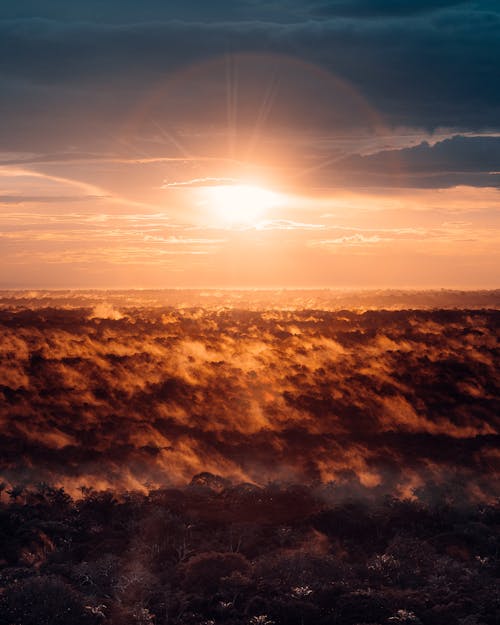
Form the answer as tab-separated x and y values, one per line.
247	191
129	232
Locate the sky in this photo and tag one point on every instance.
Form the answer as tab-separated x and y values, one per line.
249	143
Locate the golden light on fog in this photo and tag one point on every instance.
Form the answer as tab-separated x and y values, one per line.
240	204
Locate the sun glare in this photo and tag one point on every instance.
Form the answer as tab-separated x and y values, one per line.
240	204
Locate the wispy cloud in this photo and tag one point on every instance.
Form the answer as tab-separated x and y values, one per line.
200	182
49	199
353	240
286	224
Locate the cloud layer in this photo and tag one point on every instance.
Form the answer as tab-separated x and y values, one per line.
428	68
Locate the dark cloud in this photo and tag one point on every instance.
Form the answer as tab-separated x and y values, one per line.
459	160
382	8
438	69
127	11
459	154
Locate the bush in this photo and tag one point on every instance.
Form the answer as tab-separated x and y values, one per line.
44	601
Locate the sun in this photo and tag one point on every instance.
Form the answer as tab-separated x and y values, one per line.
240	204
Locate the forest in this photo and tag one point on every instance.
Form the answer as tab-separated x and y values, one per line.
290	465
216	552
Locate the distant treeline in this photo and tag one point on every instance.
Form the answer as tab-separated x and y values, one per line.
254	299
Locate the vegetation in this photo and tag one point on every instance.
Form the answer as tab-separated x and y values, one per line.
214	552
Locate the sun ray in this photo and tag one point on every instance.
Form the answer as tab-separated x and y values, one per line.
264	111
231	102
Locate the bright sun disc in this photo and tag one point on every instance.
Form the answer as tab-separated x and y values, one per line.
240	204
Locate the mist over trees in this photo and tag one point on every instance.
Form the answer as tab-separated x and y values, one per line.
275	465
134	398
